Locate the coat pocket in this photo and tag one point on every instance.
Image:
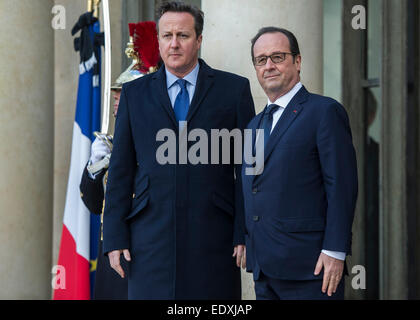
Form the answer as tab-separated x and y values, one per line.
223	204
301	225
140	197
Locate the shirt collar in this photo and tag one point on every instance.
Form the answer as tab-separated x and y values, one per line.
284	100
191	77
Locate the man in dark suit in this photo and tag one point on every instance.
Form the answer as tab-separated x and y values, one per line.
177	224
299	208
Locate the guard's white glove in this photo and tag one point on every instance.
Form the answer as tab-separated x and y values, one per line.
99	150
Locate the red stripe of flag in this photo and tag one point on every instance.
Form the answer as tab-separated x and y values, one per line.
76	271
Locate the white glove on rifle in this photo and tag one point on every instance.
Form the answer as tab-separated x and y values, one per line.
99	158
99	150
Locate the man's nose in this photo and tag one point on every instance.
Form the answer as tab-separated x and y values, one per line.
174	42
270	64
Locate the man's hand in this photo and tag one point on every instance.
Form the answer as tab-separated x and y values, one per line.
114	260
333	271
240	253
98	151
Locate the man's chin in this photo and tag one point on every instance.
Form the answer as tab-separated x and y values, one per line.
178	68
272	87
175	60
174	64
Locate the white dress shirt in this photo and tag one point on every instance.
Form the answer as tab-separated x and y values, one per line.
283	101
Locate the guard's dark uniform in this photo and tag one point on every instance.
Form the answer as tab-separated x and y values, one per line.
108	284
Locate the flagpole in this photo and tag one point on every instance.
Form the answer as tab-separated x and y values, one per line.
107	67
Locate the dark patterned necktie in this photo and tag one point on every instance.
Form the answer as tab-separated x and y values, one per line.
267	121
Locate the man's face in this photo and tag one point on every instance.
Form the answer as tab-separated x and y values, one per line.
116	94
178	44
276	79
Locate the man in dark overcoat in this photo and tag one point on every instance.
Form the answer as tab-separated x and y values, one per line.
177	221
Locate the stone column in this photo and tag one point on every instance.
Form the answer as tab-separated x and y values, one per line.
27	133
228	29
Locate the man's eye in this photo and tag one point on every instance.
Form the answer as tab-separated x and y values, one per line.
184	36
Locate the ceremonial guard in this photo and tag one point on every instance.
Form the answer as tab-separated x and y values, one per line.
143	50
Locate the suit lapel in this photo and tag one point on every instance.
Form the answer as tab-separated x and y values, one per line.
250	149
289	115
161	91
256	123
205	80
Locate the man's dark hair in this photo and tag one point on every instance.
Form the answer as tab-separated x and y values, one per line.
178	6
294	46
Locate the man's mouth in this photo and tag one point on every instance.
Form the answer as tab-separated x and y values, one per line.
271	76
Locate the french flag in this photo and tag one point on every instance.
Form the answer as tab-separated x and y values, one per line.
80	234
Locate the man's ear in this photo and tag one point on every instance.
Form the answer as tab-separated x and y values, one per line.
199	40
298	61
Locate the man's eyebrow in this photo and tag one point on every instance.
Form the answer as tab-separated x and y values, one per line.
276	52
178	32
